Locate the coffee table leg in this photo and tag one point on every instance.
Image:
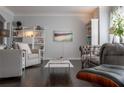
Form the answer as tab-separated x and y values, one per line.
53	70
68	68
49	68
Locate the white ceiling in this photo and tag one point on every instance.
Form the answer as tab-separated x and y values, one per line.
38	10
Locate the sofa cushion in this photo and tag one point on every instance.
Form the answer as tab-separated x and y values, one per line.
15	45
2	46
33	56
24	46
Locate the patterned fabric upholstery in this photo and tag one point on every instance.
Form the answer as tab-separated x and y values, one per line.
90	54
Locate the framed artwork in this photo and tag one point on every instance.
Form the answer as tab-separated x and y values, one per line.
62	36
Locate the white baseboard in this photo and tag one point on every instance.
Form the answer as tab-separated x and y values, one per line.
67	58
75	58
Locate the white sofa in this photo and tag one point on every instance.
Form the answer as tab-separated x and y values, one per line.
30	57
10	63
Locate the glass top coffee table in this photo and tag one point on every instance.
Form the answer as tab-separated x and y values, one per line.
59	64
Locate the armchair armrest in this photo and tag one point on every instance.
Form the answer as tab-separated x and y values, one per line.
24	53
24	58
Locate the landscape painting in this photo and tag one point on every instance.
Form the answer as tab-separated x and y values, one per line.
62	36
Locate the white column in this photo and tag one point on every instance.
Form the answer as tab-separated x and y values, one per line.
104	17
94	32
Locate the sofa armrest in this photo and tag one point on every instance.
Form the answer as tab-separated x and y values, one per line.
112	54
23	53
11	63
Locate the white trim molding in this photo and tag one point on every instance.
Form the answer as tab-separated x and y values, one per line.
65	58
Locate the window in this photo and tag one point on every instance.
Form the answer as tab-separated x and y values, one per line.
114	11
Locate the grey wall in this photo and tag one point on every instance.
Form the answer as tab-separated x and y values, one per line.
59	23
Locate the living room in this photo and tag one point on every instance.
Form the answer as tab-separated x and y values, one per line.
60	19
45	43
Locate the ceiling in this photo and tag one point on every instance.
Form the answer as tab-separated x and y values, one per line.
38	10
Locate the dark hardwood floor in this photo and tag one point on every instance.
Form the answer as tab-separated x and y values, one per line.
38	76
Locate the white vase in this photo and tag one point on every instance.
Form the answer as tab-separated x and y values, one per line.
111	36
122	39
116	39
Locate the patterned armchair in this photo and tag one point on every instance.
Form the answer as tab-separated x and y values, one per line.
89	55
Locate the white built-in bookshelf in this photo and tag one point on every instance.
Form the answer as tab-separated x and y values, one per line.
30	35
92	34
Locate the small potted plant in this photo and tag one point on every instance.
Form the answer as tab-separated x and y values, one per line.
19	25
118	27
